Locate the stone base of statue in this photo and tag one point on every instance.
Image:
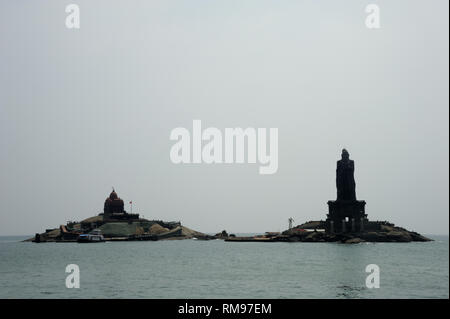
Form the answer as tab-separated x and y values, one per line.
345	216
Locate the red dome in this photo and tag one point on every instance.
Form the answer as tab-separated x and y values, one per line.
113	204
113	195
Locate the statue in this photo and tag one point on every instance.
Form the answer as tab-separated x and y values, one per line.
345	180
346	214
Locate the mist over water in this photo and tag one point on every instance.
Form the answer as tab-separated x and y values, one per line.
218	269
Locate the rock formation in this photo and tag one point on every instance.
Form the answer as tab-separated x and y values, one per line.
346	220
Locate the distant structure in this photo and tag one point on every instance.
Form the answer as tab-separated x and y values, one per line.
114	209
346	213
290	220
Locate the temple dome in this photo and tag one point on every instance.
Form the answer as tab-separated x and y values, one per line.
113	205
113	195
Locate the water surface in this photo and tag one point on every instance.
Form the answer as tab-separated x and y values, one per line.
218	269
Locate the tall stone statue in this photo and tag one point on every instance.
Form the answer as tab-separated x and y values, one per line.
345	180
346	214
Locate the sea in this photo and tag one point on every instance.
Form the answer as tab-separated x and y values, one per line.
218	269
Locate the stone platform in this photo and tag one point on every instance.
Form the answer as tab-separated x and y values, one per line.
346	216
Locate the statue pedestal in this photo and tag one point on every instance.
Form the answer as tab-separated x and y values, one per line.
346	216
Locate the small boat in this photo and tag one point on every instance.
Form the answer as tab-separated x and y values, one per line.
94	236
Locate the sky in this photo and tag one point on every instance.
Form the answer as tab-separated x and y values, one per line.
84	110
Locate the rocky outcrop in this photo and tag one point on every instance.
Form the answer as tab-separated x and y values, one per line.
140	229
221	235
355	240
312	232
157	229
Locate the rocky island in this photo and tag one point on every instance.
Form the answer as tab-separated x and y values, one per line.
346	220
115	224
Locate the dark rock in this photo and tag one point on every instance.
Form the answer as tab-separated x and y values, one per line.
294	239
418	237
37	238
314	236
205	237
398	236
374	236
222	235
317	224
379	232
354	241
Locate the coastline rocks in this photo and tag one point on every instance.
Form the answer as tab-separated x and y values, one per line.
157	229
313	231
354	241
121	229
222	235
398	236
418	237
140	229
315	237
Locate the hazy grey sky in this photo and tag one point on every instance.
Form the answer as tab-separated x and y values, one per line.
84	110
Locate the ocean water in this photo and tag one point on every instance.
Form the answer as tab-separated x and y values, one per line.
218	269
